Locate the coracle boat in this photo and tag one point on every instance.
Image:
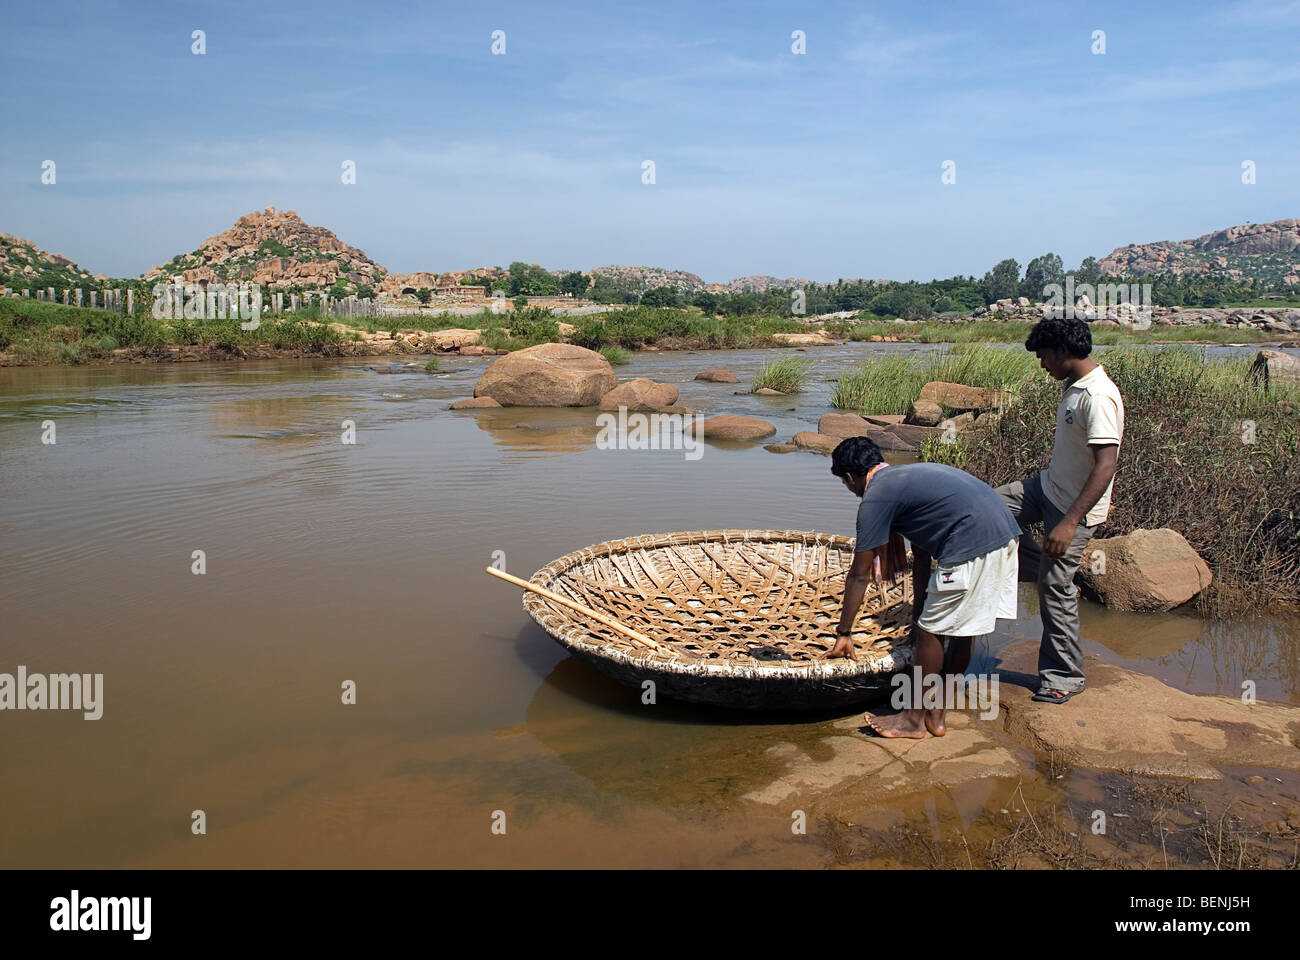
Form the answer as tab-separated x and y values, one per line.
730	618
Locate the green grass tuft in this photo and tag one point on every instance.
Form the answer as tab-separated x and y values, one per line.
784	374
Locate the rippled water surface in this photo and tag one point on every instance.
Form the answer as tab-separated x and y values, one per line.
330	562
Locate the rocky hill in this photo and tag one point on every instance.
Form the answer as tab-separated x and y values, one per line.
1267	252
648	278
278	249
25	266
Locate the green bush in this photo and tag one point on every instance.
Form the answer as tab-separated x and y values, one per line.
533	326
786	374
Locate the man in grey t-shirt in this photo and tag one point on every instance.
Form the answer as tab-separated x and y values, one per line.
951	518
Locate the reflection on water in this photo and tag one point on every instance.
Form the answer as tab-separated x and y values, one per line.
329	562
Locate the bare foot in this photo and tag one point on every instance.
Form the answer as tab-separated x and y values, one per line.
934	722
907	725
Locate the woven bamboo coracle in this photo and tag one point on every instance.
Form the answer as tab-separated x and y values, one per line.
734	618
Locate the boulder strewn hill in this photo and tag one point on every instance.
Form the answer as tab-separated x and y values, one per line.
25	266
649	278
1267	252
276	248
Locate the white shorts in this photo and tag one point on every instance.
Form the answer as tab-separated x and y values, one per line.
967	599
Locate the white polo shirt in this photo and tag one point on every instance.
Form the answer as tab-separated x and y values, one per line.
1091	411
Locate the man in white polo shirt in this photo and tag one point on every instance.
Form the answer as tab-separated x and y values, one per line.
1071	497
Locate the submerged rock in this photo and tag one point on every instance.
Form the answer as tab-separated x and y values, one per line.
474	403
717	376
846	764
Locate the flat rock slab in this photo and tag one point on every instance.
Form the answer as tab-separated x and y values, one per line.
849	761
1132	722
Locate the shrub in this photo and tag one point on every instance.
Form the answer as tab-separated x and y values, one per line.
617	356
534	326
786	374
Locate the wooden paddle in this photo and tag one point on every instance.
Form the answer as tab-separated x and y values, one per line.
639	638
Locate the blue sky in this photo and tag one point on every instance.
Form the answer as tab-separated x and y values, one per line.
821	165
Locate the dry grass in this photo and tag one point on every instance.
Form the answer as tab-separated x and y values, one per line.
1204	452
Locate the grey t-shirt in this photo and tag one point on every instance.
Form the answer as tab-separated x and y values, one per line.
948	513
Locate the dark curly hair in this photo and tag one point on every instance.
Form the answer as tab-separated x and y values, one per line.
1070	336
856	455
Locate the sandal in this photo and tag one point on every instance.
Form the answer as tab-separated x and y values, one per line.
1055	696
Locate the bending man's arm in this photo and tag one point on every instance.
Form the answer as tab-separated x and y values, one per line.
861	573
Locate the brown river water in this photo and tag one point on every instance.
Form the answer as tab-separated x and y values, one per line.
328	562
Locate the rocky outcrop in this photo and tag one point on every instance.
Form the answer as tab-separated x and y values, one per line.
548	375
1205	254
641	394
1151	570
649	278
278	249
729	426
21	260
757	284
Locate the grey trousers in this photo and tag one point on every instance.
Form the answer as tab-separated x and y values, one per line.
1060	657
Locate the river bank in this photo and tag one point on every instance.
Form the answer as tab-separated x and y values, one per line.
226	696
42	333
